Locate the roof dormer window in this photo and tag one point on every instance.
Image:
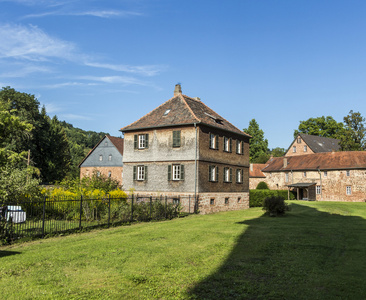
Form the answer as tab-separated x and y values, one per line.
166	112
217	120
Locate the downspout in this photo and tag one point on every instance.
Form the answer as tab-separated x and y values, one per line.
321	186
195	168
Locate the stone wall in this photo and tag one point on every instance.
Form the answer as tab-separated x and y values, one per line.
216	202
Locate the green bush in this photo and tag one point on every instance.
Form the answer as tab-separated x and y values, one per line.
256	197
262	186
275	206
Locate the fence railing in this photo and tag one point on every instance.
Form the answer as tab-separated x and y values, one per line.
48	216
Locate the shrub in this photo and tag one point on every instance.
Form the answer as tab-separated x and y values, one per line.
256	197
275	206
262	186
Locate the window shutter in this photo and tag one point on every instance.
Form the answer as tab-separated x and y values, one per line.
135	141
147	140
217	174
134	172
230	145
169	172
224	174
217	142
242	147
231	174
237	146
181	172
209	173
176	138
224	139
145	173
210	135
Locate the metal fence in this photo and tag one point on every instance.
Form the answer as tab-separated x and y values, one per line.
39	218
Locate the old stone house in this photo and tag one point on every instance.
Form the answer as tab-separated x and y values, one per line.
185	148
256	175
309	144
105	158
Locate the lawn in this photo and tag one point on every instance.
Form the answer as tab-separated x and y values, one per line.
317	251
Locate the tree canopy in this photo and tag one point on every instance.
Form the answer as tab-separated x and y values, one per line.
321	126
258	144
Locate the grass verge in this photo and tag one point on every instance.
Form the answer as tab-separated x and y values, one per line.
317	251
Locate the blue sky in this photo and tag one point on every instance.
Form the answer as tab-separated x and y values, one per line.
101	65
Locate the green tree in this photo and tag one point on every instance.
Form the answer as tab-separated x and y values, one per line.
278	152
258	144
355	132
321	126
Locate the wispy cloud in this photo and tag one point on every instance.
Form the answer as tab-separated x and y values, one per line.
149	70
23	71
116	79
74	117
91	13
68	84
31	43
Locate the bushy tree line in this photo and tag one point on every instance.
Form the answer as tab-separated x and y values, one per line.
56	148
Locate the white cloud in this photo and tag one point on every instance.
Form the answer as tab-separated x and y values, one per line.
31	43
92	13
115	79
148	70
23	71
65	84
74	117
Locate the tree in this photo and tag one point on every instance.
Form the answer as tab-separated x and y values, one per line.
354	138
258	144
321	126
278	152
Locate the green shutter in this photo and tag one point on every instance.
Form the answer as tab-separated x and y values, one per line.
147	140
224	174
135	141
176	138
230	145
210	135
224	139
237	146
181	172
134	172
169	172
209	173
217	174
242	147
231	174
217	142
145	173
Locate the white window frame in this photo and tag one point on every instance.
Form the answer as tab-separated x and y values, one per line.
226	144
140	173
305	148
286	177
141	141
109	174
227	174
348	173
213	138
348	190
176	172
239	148
110	157
239	175
101	157
318	190
213	174
325	174
294	149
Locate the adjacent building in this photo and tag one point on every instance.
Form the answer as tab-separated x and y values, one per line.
185	148
105	158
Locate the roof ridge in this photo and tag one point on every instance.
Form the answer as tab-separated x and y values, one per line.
190	109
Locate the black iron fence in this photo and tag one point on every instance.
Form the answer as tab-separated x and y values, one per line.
40	218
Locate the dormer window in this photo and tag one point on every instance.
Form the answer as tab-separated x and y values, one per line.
216	119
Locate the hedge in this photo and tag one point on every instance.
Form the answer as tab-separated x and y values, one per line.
256	197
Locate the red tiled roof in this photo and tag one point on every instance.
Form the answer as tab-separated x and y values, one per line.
117	142
257	171
183	110
323	161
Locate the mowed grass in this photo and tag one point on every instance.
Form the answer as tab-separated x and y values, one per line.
317	251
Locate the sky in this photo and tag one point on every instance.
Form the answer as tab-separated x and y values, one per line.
101	65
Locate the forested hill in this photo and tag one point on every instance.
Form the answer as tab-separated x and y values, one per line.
56	147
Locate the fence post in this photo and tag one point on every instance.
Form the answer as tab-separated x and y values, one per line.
166	204
131	208
43	215
81	210
150	206
109	209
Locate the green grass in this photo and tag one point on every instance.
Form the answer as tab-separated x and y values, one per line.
317	251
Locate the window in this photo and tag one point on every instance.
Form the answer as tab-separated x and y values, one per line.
239	198
175	172
176	201
176	138
141	141
109	174
348	190
100	157
228	175
213	173
226	200
239	175
214	141
227	144
294	149
348	173
106	144
239	147
305	148
110	157
299	140
98	173
212	201
140	173
304	174
325	174
286	177
318	189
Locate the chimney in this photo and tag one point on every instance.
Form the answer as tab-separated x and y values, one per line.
251	167
177	90
285	162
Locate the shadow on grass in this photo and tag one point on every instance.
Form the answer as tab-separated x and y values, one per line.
306	254
8	253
